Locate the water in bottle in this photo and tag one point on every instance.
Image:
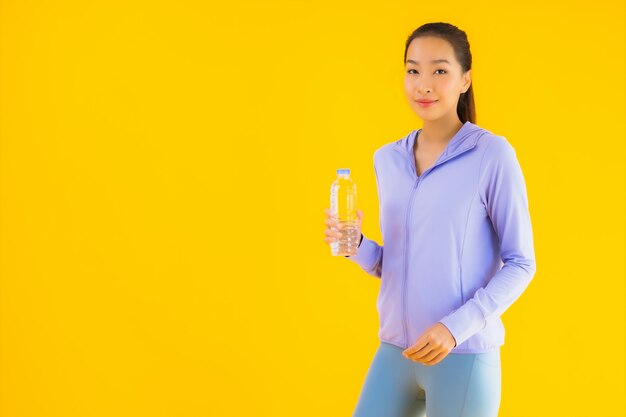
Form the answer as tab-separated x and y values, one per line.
343	208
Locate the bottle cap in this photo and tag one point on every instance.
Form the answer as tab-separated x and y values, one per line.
343	171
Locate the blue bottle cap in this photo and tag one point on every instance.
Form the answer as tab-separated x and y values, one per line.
343	171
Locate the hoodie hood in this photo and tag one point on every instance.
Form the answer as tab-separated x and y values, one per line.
464	139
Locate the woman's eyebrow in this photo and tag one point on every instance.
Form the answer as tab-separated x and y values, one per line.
434	61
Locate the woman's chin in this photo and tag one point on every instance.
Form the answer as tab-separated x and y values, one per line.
426	115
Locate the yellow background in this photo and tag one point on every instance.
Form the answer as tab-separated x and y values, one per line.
165	166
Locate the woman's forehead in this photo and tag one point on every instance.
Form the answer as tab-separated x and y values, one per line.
426	49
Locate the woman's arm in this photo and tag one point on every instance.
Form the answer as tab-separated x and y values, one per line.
370	254
503	192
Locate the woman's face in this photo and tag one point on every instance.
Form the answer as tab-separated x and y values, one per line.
427	78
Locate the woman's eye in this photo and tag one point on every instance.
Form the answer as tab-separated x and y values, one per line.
409	71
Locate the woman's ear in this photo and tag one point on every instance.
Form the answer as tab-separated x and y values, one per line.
467	80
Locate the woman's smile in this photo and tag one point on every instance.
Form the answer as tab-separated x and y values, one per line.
426	103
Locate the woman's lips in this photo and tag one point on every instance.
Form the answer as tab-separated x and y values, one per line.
426	103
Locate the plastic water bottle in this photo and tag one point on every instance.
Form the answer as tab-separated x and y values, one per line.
343	208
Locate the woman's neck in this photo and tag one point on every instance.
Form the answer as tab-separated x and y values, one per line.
439	132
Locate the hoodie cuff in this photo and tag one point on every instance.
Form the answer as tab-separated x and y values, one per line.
464	322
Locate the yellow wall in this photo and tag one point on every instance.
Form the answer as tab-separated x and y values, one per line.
165	166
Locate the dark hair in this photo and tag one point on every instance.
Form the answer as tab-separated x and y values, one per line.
465	109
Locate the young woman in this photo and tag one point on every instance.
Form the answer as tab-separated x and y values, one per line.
458	245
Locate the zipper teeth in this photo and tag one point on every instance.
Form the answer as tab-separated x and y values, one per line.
406	249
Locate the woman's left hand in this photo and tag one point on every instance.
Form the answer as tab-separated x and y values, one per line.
432	346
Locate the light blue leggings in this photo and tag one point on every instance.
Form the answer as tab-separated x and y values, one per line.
460	385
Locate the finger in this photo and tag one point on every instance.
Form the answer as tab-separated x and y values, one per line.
419	357
418	353
332	233
436	359
430	356
421	353
333	224
330	219
329	239
419	343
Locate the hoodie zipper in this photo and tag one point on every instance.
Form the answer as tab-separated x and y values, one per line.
406	233
406	249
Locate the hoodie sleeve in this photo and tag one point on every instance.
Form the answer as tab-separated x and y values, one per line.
503	192
369	254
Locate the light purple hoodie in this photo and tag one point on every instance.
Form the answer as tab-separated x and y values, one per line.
446	236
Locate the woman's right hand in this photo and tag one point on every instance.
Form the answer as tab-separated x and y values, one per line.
333	227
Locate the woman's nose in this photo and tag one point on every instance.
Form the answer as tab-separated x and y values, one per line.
423	88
